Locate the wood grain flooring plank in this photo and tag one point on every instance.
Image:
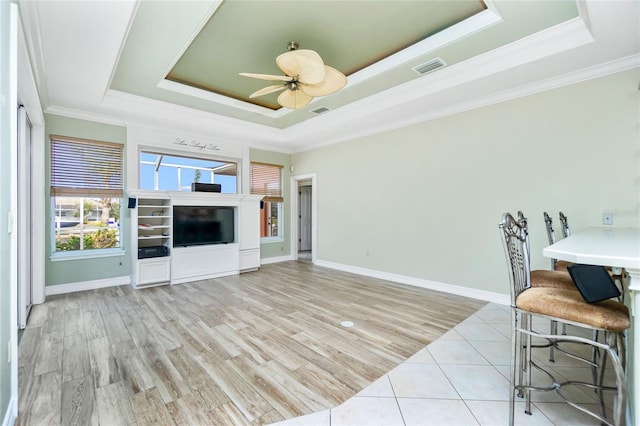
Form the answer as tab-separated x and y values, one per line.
250	403
116	330
75	358
283	401
55	319
149	409
45	405
93	324
288	380
134	373
78	398
113	405
28	347
229	414
246	349
49	357
104	365
73	322
167	379
187	340
203	388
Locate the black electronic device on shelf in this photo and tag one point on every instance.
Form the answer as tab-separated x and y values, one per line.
152	251
206	187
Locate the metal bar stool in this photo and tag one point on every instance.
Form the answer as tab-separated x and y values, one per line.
564	306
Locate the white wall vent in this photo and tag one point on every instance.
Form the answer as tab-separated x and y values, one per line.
430	66
320	110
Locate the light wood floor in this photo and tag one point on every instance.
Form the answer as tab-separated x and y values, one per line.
249	349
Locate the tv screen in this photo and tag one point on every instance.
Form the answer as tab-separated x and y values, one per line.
199	225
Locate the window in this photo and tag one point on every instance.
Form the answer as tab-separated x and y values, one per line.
86	192
266	179
159	171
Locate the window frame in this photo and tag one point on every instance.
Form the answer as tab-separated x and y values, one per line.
272	197
108	191
145	149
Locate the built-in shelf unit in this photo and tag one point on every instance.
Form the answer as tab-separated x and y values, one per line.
157	261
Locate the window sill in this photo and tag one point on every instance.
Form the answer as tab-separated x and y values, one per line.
86	254
267	240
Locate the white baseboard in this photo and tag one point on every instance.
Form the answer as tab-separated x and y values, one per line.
502	299
11	414
50	290
277	259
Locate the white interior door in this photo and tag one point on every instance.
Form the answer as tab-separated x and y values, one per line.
24	219
305	218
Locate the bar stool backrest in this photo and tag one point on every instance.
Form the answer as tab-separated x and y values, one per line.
564	226
515	242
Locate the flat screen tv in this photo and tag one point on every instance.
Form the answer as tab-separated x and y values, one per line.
200	225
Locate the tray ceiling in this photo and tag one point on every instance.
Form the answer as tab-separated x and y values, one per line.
190	53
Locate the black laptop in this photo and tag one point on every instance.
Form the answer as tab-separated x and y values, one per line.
593	282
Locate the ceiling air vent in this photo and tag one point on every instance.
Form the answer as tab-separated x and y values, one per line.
430	66
320	110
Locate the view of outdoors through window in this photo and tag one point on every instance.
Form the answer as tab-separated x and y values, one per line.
86	223
176	173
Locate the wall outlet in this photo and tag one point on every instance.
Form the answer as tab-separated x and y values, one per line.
607	218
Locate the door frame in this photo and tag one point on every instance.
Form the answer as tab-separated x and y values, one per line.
295	212
24	218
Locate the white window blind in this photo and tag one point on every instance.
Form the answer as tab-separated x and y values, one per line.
266	179
81	167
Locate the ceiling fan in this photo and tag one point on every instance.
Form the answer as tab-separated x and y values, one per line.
306	76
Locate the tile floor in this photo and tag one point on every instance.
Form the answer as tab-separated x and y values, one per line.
460	379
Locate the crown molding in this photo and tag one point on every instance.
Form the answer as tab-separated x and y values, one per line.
164	114
84	115
554	40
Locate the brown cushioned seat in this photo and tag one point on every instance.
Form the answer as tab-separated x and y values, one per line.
552	279
568	304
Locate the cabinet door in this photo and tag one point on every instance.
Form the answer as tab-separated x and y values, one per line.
151	271
249	226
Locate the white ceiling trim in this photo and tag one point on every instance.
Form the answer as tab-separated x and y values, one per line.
30	18
220	99
135	108
559	38
598	71
84	115
121	48
466	28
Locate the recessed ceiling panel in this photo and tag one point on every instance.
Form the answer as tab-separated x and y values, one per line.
247	36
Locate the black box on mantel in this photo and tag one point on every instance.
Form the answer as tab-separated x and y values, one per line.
206	187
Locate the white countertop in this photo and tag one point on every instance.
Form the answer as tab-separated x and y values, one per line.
603	246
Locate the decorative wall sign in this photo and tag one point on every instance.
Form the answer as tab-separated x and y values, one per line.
195	145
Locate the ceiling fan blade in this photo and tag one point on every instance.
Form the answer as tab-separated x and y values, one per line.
294	99
304	64
267	90
334	80
267	76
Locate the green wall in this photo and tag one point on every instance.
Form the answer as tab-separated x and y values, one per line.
424	201
280	248
72	271
5	205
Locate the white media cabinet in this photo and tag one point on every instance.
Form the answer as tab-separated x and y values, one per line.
152	226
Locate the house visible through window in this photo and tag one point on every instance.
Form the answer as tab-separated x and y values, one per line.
159	171
266	180
86	193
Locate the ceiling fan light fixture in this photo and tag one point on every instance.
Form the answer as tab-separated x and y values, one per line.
306	77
